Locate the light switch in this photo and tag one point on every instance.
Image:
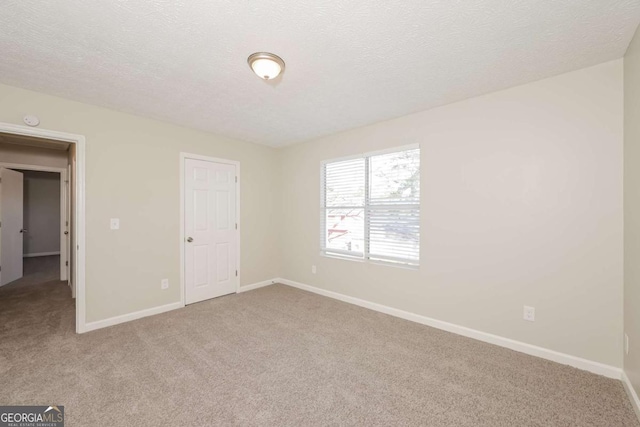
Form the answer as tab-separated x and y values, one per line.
115	223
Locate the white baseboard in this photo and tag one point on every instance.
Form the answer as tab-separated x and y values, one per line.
92	326
544	353
631	392
256	285
33	255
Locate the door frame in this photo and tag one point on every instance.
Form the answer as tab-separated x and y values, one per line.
79	225
63	207
183	159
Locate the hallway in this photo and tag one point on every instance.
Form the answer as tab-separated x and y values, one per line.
29	301
37	271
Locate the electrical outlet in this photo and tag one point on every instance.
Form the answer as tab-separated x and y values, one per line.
313	269
164	284
626	344
529	314
115	223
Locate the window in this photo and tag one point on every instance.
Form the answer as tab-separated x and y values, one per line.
371	207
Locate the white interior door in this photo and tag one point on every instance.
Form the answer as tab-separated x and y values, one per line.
11	222
211	236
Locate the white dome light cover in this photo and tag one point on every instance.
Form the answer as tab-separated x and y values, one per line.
266	65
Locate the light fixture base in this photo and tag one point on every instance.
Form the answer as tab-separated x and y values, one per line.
266	65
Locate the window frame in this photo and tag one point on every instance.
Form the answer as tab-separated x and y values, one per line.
365	257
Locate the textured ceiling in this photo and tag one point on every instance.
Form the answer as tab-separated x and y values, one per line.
349	63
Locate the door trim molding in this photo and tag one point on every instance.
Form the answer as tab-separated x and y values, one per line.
631	392
63	208
183	157
79	226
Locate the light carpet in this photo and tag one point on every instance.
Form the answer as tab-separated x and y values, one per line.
279	356
36	271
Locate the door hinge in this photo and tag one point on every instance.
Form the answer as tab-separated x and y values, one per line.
236	225
236	179
66	263
236	273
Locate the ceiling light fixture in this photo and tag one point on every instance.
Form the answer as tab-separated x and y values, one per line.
266	65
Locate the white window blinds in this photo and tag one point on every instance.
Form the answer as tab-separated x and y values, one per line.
371	207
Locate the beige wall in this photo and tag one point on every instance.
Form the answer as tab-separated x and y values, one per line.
132	173
41	212
521	205
632	210
26	155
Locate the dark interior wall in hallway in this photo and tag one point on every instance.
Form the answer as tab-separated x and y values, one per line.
41	212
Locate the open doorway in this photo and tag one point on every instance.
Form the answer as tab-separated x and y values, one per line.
42	217
36	249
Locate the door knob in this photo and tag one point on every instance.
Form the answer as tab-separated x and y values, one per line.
24	230
66	232
189	239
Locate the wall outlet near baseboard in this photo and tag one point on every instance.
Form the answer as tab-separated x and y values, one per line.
164	284
626	344
529	314
313	269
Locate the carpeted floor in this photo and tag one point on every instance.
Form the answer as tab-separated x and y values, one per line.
279	356
37	271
